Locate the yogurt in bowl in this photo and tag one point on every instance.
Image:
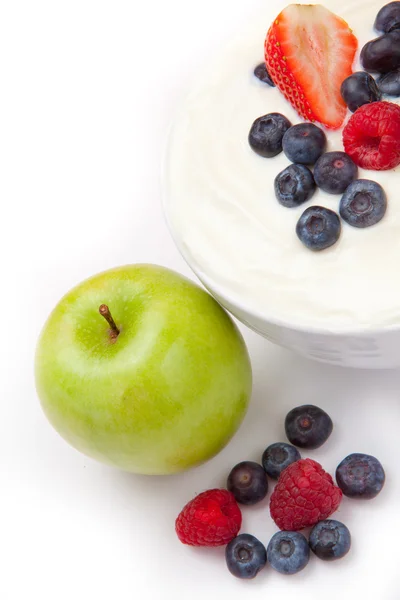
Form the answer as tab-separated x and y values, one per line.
341	305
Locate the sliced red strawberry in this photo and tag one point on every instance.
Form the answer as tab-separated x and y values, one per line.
309	51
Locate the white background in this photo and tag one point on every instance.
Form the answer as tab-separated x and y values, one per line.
88	89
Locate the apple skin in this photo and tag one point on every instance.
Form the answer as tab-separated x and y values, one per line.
167	394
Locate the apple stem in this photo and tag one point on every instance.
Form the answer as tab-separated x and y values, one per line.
105	312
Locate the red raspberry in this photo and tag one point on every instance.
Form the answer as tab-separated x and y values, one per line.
372	136
304	495
213	518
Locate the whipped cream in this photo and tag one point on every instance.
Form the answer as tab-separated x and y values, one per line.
228	224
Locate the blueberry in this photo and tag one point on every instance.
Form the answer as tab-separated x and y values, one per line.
359	89
248	482
330	540
318	228
308	426
382	54
389	83
363	203
294	185
261	72
360	476
334	172
245	556
388	18
304	143
277	457
266	134
288	552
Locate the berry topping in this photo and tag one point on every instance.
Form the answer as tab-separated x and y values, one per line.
277	457
388	18
294	185
389	83
308	426
382	54
334	172
262	74
304	495
359	89
318	228
245	556
288	552
213	518
372	136
304	143
266	134
330	540
248	482
363	204
309	51
360	476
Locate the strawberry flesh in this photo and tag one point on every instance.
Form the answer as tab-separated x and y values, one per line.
309	51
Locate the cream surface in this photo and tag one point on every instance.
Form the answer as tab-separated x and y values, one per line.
228	224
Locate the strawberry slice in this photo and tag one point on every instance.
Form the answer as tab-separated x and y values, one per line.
309	51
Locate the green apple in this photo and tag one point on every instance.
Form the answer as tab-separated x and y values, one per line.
141	369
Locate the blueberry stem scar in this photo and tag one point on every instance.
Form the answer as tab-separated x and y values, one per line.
105	312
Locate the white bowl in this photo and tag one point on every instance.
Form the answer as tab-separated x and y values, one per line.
351	346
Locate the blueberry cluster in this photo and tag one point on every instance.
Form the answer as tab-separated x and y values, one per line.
363	202
288	552
380	56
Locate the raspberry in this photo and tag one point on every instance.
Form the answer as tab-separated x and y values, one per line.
304	495
372	136
213	518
